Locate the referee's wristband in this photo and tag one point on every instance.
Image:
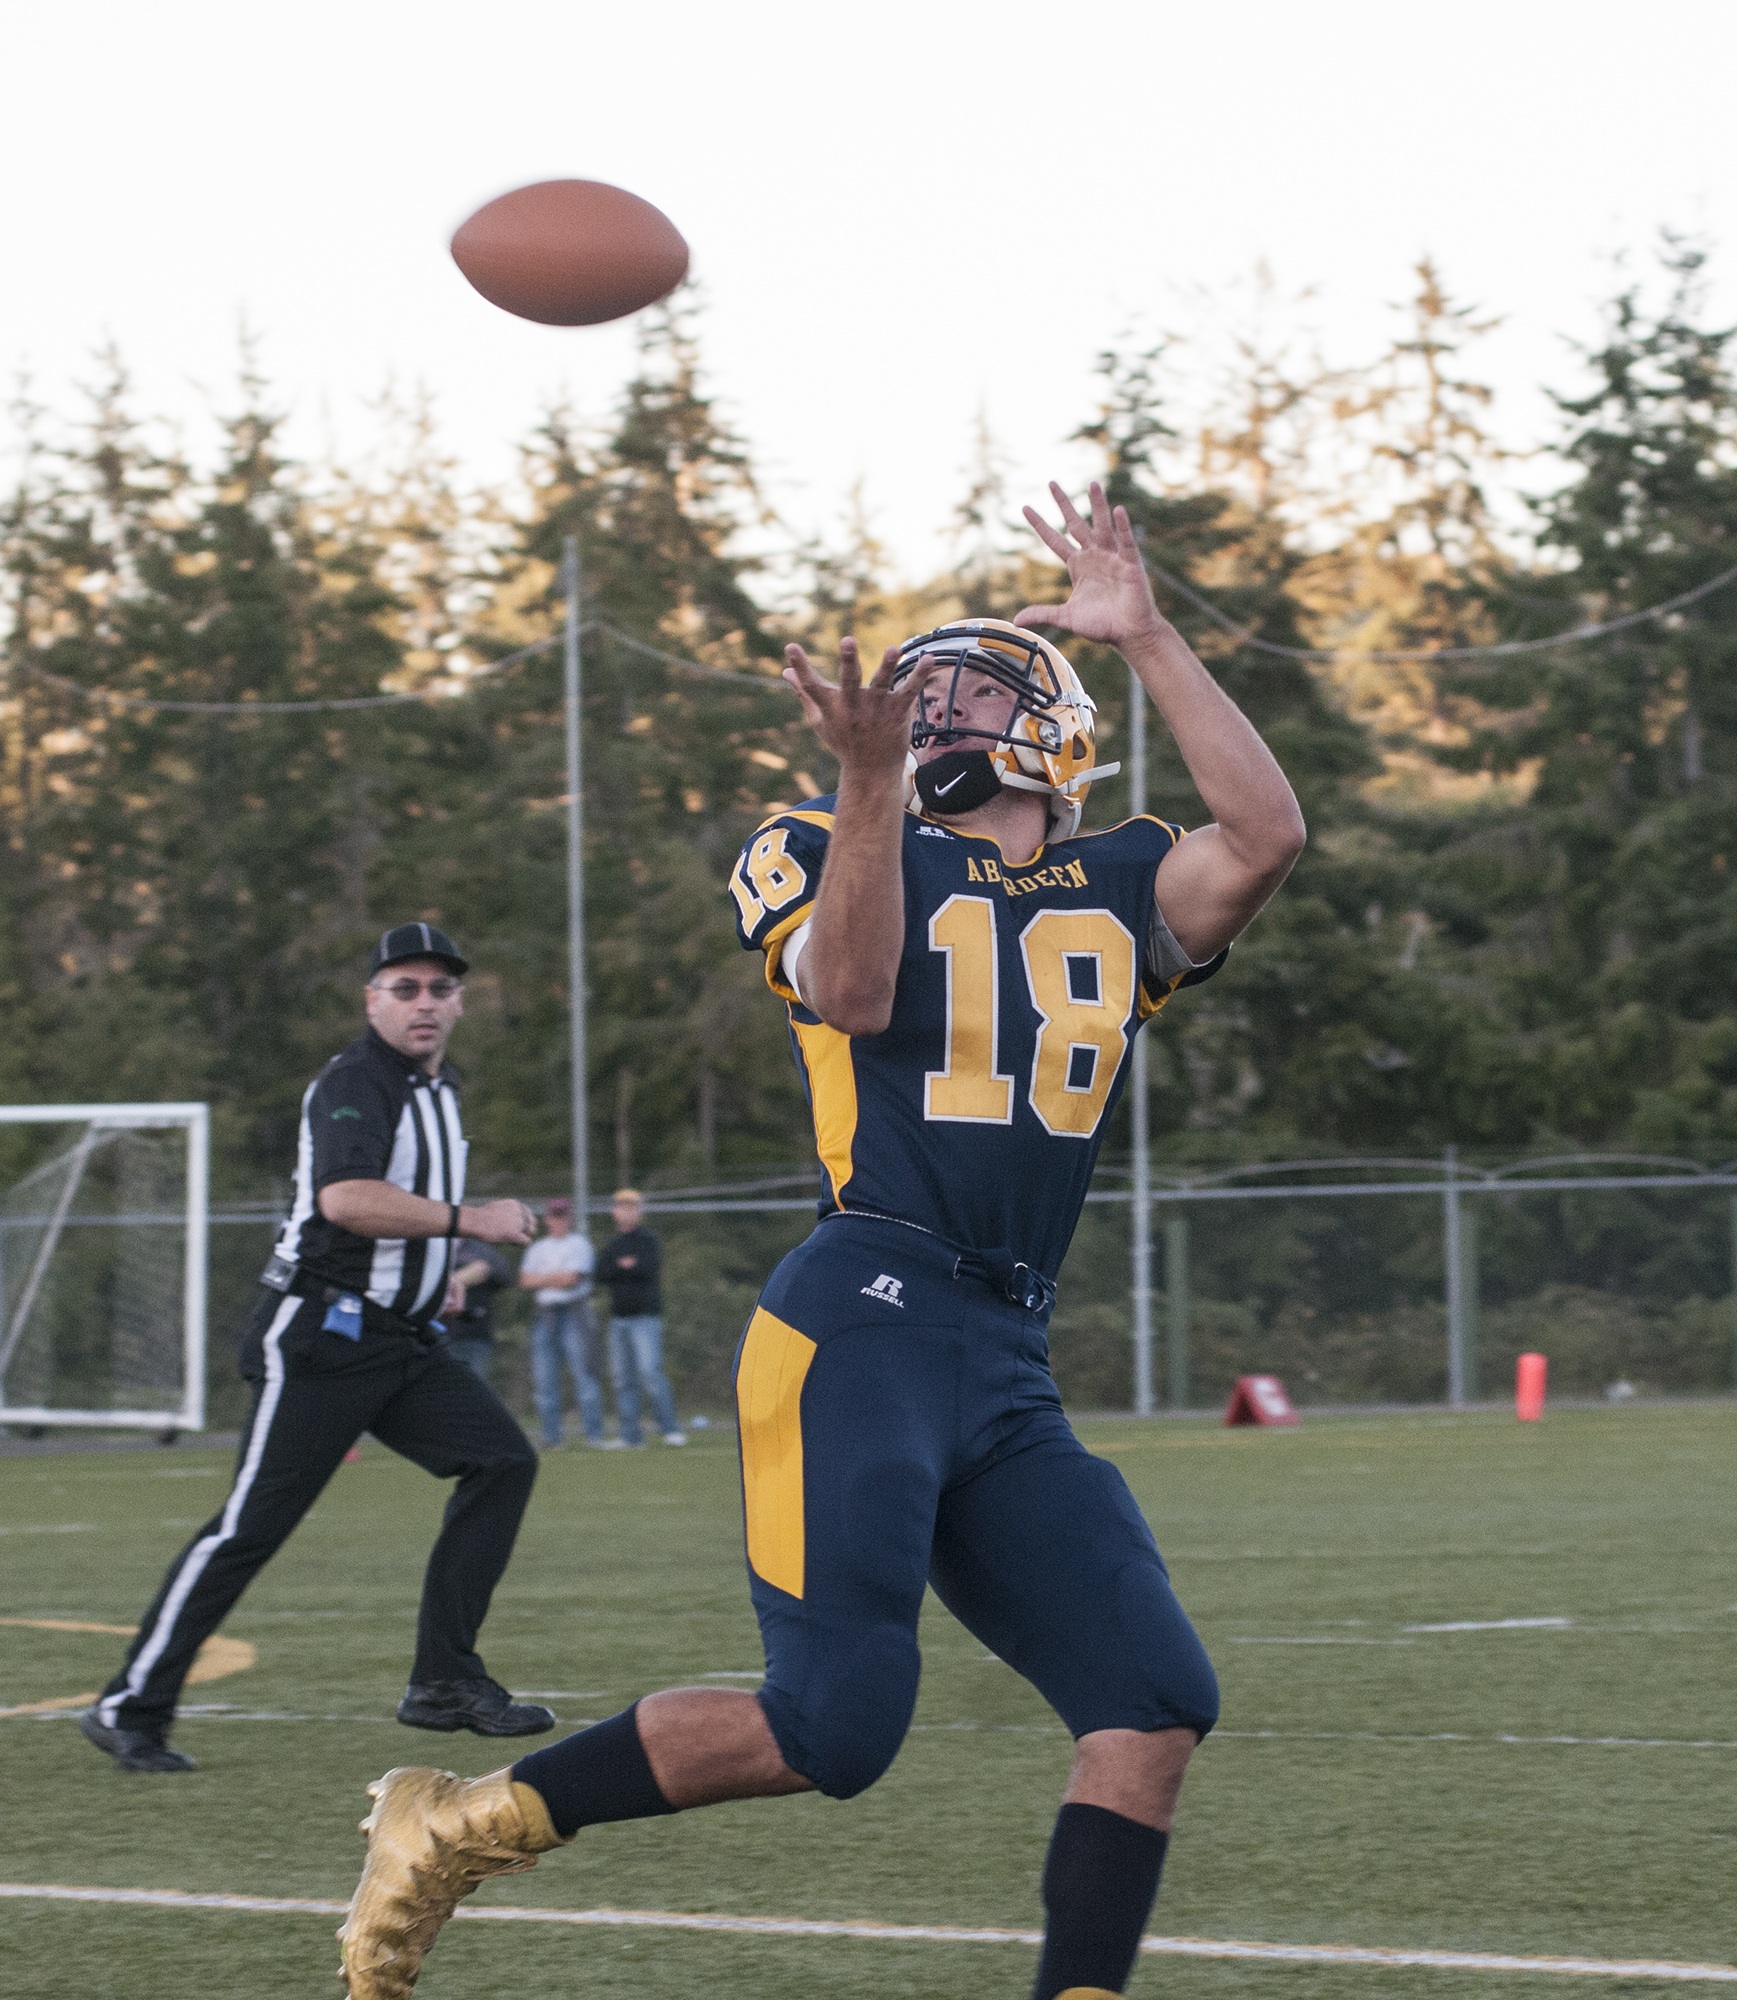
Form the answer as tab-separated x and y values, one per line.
452	1219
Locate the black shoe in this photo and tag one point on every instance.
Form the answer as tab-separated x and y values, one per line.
483	1707
134	1749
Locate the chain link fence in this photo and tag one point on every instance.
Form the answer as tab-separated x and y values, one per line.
1355	1281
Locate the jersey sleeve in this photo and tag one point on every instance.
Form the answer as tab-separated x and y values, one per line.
351	1126
1165	968
774	881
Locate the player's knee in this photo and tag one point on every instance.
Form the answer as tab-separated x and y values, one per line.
858	1708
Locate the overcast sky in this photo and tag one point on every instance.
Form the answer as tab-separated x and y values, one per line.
900	214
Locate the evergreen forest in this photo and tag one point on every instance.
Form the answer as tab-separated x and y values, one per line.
1512	930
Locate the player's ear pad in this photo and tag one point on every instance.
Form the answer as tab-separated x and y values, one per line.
958	781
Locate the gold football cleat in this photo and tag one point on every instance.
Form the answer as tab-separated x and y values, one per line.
432	1838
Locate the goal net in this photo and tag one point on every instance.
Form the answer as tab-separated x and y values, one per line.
102	1265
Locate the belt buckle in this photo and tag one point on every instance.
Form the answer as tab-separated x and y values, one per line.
1026	1287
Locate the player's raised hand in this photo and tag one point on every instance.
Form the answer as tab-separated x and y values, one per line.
866	726
1112	597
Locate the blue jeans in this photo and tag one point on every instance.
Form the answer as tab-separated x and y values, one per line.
636	1363
563	1333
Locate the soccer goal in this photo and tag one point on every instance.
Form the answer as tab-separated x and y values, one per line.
102	1265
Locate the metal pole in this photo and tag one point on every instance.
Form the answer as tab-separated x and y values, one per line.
1140	1246
1451	1252
576	899
1734	1291
197	1265
1176	1303
1469	1299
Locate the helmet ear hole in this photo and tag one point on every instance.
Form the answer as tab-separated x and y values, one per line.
1080	747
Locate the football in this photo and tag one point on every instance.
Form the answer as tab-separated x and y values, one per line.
571	253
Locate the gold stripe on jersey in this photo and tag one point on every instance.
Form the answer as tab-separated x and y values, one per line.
772	945
1149	1004
803	813
774	1366
832	1086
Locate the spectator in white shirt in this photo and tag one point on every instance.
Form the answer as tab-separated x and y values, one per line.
557	1270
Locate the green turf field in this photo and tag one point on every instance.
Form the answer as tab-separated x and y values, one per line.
1372	1784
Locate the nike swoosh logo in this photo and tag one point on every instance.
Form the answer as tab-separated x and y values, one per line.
941	791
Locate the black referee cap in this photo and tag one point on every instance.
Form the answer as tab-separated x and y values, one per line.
416	941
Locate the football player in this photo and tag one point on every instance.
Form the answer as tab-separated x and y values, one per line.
964	971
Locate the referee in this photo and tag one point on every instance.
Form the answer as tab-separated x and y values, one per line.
344	1339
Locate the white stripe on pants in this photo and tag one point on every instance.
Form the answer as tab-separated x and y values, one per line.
203	1550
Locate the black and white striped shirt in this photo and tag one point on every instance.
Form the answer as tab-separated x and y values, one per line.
375	1115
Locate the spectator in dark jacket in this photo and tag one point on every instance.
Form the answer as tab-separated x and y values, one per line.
480	1272
630	1266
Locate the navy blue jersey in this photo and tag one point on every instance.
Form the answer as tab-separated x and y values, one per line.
979	1112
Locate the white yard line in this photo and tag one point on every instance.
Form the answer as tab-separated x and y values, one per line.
1498	1625
806	1927
1502	1740
1312	1640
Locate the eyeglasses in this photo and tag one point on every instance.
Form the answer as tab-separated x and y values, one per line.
412	989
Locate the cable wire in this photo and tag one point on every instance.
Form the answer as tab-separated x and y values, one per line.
1578	635
1506	649
448	691
761	681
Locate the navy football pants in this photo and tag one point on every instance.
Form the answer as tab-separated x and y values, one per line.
899	1427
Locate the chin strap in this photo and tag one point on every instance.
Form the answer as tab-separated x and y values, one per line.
962	780
958	781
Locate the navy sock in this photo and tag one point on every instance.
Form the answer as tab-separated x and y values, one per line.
601	1774
1099	1884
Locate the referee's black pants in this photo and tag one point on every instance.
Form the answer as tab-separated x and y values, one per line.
314	1394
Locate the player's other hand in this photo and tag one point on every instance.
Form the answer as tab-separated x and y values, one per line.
1112	597
506	1221
455	1296
866	727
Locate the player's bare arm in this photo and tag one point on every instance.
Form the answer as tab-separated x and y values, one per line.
1210	886
376	1208
858	928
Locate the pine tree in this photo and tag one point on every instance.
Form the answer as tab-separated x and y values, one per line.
1342	1018
1412	557
201	894
686	1054
1617	915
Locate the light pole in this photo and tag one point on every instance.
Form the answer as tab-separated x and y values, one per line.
576	895
1453	1256
1141	1246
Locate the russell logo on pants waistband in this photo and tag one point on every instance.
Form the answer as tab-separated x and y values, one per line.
886	1289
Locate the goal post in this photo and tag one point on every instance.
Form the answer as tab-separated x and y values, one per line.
104	1219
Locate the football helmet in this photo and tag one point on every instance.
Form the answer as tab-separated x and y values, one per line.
1048	740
